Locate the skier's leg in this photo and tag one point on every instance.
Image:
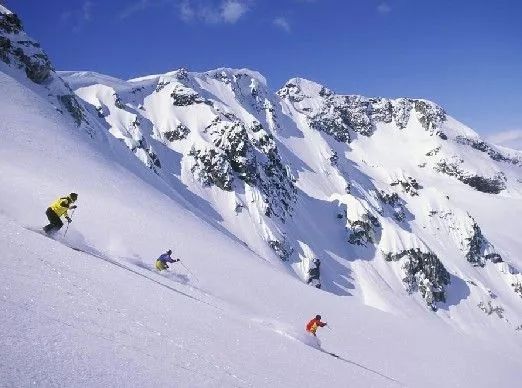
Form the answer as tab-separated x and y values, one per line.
48	227
55	222
160	265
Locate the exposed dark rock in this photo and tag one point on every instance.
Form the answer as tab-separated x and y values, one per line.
10	23
252	157
401	112
276	181
234	142
136	123
434	151
222	77
117	101
337	126
489	309
5	47
137	90
358	111
281	248
70	103
516	279
340	114
479	248
492	185
395	202
185	97
325	92
409	185
334	159
517	287
101	111
430	114
442	135
153	161
292	92
486	185
182	74
362	231
239	207
24	53
425	272
179	133
382	110
256	126
314	273
37	66
161	85
212	167
486	148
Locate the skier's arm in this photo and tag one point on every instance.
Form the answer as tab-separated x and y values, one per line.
65	203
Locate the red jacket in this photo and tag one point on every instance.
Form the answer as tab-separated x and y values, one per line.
313	325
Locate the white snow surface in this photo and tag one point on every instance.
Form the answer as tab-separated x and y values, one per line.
234	313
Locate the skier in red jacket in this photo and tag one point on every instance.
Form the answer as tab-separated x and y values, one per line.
312	326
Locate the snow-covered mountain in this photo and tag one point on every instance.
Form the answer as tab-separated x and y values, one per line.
368	186
396	221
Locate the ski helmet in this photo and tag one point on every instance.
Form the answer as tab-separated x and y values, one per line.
73	196
169	252
318	317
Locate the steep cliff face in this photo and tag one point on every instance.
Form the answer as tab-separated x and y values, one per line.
19	52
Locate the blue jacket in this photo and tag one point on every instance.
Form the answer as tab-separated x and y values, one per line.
166	258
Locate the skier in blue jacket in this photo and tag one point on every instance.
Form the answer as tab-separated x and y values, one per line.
161	262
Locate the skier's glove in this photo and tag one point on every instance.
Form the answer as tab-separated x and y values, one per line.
73	207
69	220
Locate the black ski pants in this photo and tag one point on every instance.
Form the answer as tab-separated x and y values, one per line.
55	223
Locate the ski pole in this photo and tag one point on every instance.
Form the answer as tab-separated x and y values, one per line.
67	228
188	270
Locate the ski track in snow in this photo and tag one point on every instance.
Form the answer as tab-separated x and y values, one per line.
314	342
94	253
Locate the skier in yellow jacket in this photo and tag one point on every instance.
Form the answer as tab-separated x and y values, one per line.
57	209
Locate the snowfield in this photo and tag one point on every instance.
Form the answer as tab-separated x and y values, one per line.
414	218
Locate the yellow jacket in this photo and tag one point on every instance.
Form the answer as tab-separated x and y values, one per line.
61	205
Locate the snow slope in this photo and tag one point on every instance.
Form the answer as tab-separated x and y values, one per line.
103	317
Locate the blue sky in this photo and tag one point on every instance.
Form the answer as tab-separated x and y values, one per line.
465	55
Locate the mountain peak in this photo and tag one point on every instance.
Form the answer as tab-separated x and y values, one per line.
305	86
5	11
231	72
